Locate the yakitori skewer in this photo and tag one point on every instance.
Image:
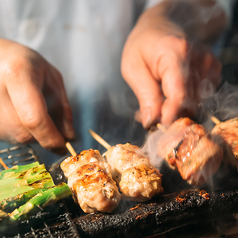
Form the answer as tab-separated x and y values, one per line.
70	149
3	164
228	131
187	147
137	178
90	181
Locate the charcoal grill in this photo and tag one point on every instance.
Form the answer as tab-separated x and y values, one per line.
181	212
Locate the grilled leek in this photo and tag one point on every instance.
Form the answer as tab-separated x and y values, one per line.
17	169
24	193
41	200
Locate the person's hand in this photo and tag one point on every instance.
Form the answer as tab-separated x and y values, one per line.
33	101
167	67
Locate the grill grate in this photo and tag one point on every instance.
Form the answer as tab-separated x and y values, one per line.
17	155
55	221
196	216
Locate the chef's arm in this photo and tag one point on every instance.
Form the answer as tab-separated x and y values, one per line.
167	61
201	20
33	101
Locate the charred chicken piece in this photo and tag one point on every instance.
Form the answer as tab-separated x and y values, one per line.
187	147
202	163
137	178
90	180
178	140
228	131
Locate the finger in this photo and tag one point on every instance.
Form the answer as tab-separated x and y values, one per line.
146	89
11	129
31	108
59	105
174	76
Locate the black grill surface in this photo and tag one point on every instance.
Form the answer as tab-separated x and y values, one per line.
182	211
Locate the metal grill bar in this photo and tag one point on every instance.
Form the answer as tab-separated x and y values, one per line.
61	225
18	155
57	223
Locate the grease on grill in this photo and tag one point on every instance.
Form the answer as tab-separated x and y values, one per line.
181	197
180	200
144	215
204	194
133	208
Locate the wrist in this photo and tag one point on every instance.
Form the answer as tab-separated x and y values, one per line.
201	21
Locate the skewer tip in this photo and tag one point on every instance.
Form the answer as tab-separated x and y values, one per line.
215	120
3	164
70	149
99	139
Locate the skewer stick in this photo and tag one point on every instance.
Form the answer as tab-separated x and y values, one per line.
215	120
99	139
3	164
70	149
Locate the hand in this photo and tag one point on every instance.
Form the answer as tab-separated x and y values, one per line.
32	96
166	68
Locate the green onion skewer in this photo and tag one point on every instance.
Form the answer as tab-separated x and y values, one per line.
23	194
25	190
22	174
17	169
41	200
21	186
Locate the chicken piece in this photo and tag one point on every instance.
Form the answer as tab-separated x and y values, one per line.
228	131
202	163
72	163
141	182
137	178
196	155
172	138
91	182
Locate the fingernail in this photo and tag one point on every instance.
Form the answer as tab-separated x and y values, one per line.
69	130
146	118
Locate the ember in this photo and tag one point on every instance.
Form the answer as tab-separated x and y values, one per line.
204	194
179	199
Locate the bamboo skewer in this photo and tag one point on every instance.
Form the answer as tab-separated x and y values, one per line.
215	120
3	164
70	149
99	139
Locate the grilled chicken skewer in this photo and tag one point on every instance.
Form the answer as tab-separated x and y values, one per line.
137	178
228	131
90	181
186	146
